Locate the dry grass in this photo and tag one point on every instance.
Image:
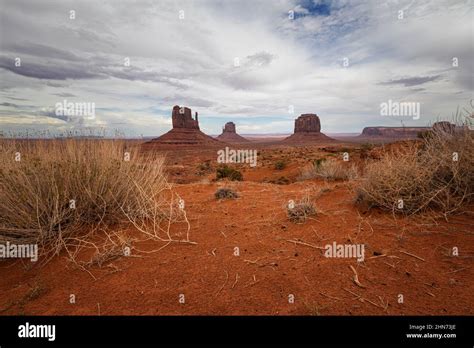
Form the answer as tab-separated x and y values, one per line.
224	192
63	190
301	210
423	175
330	169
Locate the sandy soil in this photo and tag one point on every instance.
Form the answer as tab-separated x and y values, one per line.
277	258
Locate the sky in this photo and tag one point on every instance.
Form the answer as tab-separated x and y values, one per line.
258	63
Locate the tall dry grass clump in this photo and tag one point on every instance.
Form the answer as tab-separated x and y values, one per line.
435	173
53	190
329	169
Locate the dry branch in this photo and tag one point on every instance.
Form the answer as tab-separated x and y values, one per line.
412	255
356	277
306	244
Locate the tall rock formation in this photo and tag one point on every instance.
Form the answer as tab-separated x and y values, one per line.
185	130
307	129
229	127
230	135
308	123
181	117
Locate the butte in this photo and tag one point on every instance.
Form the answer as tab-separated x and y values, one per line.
307	130
230	135
185	131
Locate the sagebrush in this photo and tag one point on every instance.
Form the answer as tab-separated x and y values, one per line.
54	191
435	173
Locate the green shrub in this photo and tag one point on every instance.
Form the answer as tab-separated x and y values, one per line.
280	165
229	173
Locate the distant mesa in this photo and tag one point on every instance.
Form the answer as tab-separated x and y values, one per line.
393	132
308	129
405	132
185	130
230	135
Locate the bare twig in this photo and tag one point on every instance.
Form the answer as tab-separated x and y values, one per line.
412	255
306	244
356	277
236	280
223	285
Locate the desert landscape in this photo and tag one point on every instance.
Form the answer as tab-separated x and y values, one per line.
199	237
240	171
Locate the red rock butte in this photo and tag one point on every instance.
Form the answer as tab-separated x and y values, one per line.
307	129
185	130
182	118
230	135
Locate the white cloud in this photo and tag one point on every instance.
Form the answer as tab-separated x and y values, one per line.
284	62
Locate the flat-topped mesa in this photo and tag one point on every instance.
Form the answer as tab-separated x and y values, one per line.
229	128
407	132
395	132
307	130
229	134
308	123
182	118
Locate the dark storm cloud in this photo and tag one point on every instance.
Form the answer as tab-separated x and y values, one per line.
22	111
412	81
260	59
85	70
38	50
48	72
11	105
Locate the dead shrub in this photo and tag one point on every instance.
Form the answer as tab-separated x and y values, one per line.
54	192
301	210
435	173
330	169
282	180
224	193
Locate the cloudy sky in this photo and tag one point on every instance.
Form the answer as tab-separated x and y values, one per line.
339	59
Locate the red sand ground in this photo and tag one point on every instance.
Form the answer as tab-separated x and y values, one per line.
271	266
